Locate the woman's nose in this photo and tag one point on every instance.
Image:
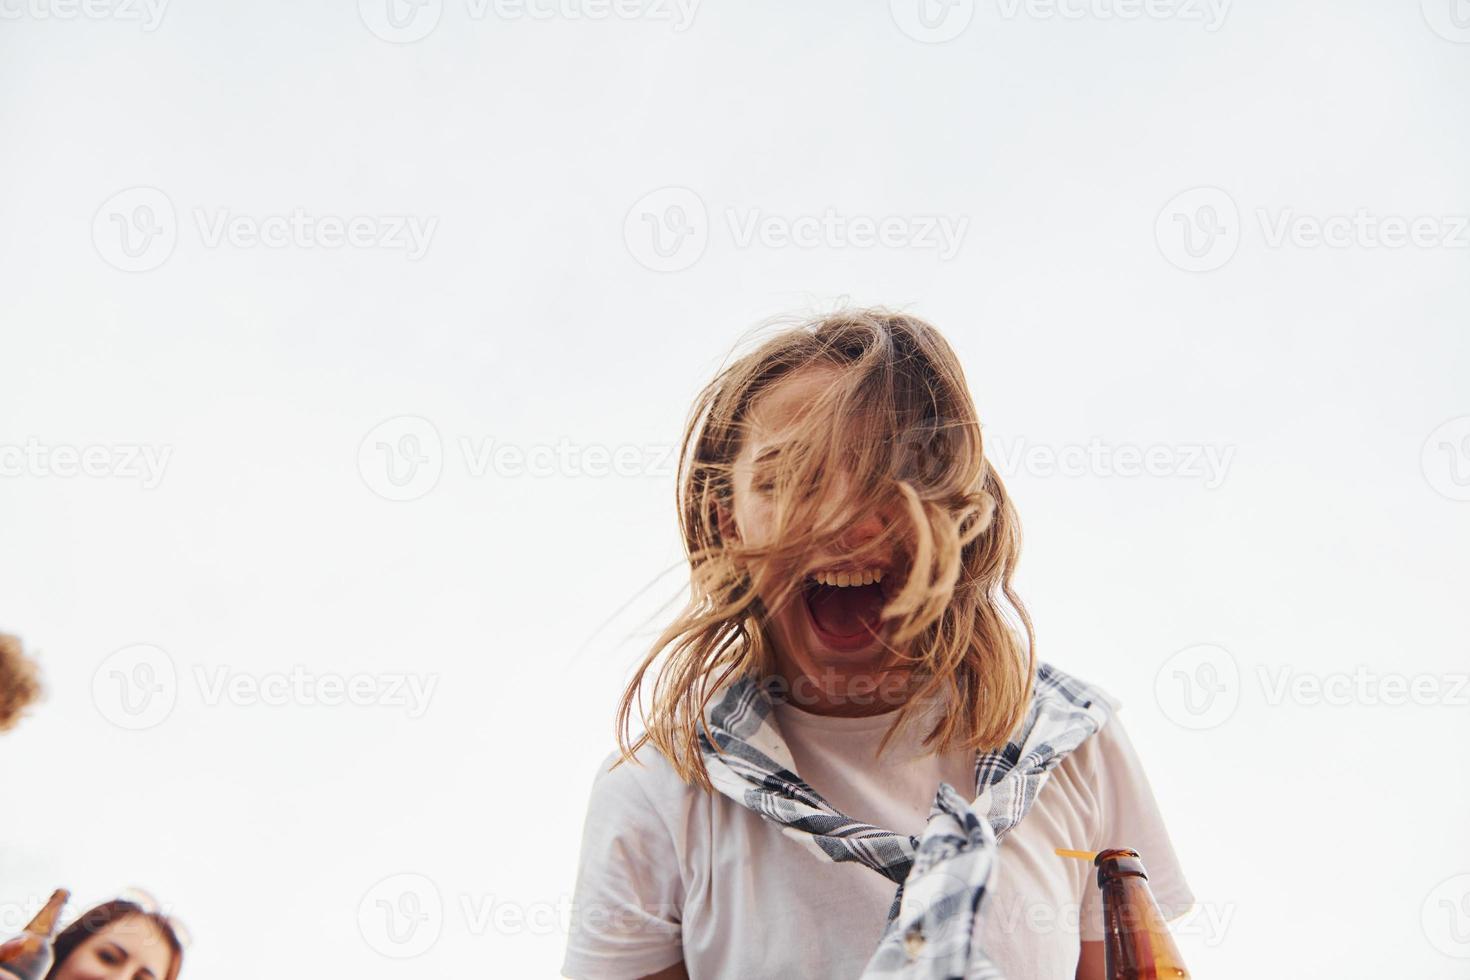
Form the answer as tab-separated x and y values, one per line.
864	529
870	523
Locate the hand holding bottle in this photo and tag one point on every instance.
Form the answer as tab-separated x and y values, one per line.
28	956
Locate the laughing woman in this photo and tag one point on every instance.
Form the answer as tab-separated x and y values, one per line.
854	764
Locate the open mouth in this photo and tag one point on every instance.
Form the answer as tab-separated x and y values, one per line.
844	608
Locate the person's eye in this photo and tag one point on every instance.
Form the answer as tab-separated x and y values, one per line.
109	956
763	480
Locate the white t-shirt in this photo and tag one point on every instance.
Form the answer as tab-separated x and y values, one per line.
670	873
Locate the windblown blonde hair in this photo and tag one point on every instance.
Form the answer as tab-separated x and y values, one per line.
898	418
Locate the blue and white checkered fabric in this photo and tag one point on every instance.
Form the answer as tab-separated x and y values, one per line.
942	873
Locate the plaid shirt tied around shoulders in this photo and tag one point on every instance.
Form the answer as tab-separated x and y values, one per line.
941	874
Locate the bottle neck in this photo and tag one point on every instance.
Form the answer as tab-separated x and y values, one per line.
44	924
1137	944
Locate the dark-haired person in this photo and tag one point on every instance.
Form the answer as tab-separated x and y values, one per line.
855	764
117	940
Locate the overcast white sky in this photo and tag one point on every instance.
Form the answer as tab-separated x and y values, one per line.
344	351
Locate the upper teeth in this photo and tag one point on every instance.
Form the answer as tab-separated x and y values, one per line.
842	579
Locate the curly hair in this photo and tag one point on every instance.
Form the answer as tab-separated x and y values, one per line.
19	681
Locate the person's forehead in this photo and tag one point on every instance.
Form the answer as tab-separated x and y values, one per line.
778	406
138	935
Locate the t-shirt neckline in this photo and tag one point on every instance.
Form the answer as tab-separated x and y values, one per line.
788	714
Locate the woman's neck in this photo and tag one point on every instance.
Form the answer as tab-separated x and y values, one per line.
844	690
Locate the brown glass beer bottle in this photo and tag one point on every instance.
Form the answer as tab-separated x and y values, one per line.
1137	944
28	956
